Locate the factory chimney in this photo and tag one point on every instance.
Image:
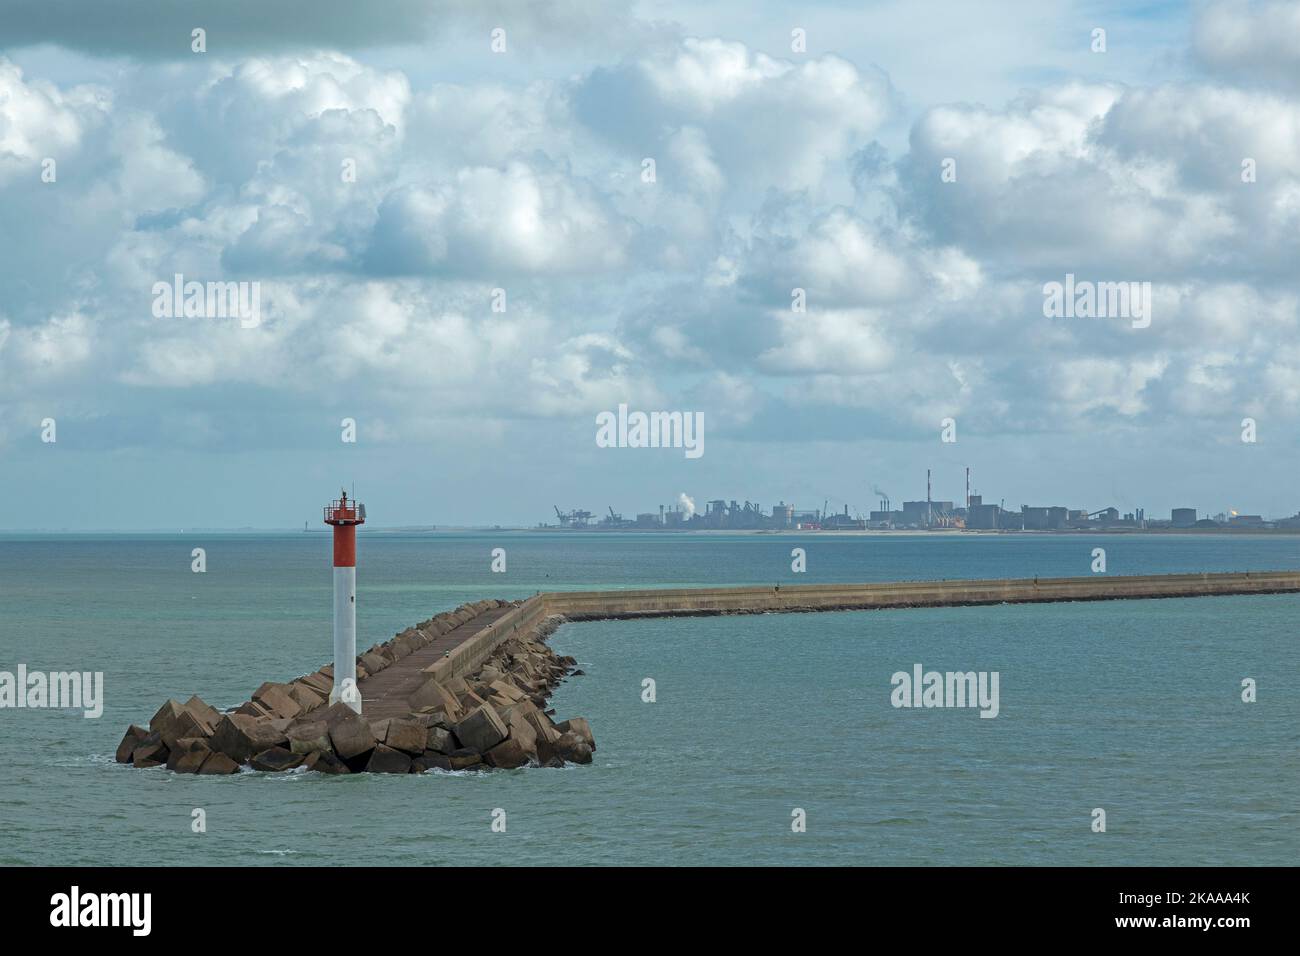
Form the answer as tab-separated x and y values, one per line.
345	515
929	514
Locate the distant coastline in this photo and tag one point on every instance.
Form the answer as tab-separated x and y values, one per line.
906	532
672	532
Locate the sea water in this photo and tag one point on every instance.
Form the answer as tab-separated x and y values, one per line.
758	721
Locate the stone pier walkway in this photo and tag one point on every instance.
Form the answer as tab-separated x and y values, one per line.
385	694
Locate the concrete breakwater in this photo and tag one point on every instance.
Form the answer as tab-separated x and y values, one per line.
465	690
598	605
468	688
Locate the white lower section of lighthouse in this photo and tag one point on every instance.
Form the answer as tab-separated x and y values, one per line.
345	639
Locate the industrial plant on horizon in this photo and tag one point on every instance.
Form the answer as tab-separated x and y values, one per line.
926	514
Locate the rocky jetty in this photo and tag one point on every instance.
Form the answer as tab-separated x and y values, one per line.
495	717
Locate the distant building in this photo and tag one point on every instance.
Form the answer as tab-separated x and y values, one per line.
916	512
1183	517
1044	519
806	519
885	519
1246	521
924	513
842	522
982	517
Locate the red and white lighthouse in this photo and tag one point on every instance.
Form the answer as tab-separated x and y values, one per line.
345	515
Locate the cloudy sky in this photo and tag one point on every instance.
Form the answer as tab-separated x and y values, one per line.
775	168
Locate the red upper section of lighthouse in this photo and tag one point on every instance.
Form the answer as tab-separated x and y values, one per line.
345	515
341	511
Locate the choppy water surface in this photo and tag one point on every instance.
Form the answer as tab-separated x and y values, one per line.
1130	706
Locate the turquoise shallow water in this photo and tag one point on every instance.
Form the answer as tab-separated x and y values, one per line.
1129	706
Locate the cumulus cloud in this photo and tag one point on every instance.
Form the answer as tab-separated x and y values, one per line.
1098	179
849	340
498	220
488	124
1085	385
1254	40
773	123
38	120
839	259
923	296
52	349
234	119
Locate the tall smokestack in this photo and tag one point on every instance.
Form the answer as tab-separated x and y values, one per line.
344	516
929	514
968	488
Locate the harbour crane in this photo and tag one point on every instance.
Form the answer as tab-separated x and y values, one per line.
575	519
